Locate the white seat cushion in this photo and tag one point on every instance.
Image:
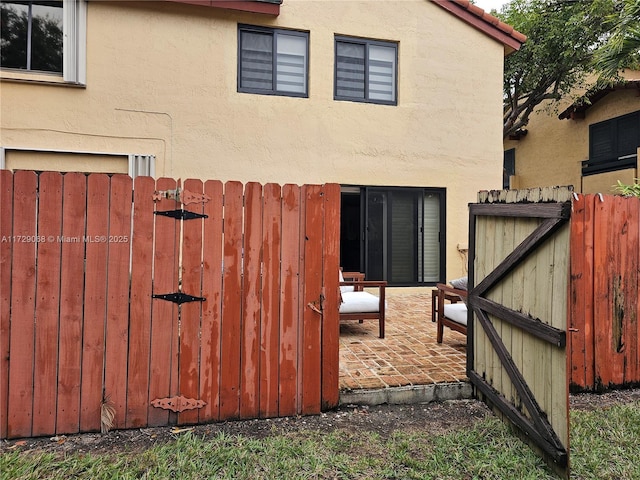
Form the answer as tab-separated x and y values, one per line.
345	288
456	312
359	302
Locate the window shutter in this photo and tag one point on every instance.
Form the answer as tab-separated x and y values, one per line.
601	142
628	134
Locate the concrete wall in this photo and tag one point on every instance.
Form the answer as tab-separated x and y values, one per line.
162	80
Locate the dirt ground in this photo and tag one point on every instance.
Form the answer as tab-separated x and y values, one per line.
384	420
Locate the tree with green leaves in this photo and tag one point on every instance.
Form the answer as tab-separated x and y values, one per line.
622	48
562	36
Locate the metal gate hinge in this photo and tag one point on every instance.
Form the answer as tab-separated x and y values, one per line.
185	197
178	404
179	297
181	214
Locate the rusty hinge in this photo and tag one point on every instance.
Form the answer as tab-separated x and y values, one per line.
181	214
178	297
185	197
178	404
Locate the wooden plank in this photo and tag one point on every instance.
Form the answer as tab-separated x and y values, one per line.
558	405
23	285
490	254
251	302
524	210
74	209
289	299
606	289
174	371
330	317
480	271
164	315
117	328
212	307
312	321
95	302
6	244
141	241
578	284
47	303
269	329
629	252
508	236
588	270
632	294
301	306
191	312
231	328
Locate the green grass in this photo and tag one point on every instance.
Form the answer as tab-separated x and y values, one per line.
605	444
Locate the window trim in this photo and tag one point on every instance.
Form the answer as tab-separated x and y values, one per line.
366	42
74	50
273	32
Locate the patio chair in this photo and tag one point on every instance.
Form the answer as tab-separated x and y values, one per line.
451	310
356	304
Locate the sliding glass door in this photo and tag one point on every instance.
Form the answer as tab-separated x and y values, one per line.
403	235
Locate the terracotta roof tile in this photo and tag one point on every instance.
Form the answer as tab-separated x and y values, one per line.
484	22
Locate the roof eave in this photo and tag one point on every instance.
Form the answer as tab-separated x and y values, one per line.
577	110
486	23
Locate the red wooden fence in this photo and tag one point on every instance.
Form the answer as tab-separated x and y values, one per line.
80	331
605	286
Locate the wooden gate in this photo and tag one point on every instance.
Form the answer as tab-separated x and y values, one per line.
164	303
517	360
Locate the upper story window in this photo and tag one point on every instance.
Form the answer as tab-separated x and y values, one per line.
365	70
613	144
273	61
44	37
32	36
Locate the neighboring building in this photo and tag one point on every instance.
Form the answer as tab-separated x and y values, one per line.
590	145
398	101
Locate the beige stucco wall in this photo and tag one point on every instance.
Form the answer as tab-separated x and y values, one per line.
162	80
552	151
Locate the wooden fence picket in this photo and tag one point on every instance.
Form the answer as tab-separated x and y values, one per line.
312	300
288	395
118	288
47	300
23	291
212	308
164	315
231	326
251	302
269	331
71	303
139	351
95	301
6	234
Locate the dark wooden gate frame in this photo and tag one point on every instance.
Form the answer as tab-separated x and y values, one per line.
538	429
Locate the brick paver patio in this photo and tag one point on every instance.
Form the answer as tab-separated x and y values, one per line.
408	355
